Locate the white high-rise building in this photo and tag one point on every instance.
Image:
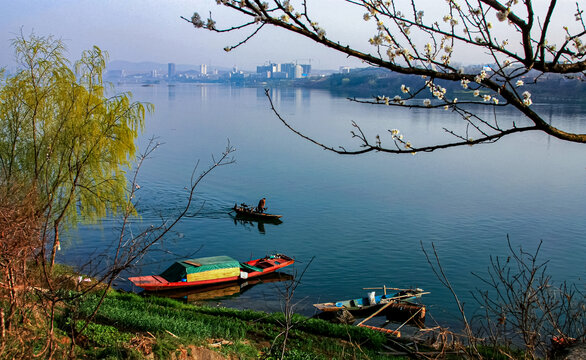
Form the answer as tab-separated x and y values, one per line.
203	69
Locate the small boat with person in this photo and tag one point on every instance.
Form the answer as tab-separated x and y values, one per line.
250	212
210	270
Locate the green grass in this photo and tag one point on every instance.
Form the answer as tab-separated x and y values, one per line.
124	313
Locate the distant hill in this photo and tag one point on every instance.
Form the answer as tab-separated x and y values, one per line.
372	81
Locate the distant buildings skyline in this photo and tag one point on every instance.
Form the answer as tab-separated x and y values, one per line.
284	71
202	72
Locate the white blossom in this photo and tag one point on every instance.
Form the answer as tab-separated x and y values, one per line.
196	20
527	98
519	83
502	15
480	77
321	33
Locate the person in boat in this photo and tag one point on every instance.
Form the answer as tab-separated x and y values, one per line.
261	205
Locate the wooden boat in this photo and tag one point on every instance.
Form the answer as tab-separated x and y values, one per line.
396	307
248	212
368	303
210	270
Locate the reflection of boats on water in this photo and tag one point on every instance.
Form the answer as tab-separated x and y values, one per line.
223	290
253	223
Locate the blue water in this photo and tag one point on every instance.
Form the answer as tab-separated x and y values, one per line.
361	218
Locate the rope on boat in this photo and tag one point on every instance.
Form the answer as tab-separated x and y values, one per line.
412	316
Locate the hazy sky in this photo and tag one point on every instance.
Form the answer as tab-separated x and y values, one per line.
151	30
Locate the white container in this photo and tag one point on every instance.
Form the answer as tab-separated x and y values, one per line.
372	298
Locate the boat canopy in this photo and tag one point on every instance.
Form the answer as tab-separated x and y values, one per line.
180	269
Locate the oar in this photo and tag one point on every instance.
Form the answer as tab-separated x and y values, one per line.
376	312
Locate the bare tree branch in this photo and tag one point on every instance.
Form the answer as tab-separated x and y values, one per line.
408	42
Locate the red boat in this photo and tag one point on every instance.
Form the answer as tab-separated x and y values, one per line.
210	270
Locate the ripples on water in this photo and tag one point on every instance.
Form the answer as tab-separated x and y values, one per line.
363	219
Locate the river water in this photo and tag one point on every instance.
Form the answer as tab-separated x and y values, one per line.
363	219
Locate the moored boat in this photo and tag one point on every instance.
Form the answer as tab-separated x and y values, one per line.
248	212
210	270
367	303
396	307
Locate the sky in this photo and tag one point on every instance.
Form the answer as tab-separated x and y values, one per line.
151	30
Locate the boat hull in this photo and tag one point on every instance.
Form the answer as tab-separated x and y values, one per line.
157	283
249	213
397	307
366	303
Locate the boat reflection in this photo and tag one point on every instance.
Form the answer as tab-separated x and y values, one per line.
223	290
252	223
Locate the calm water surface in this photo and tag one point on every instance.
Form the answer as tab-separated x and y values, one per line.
363	218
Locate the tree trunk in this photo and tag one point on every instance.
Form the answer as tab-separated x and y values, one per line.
55	245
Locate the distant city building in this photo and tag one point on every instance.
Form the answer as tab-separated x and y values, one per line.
344	69
171	71
279	75
297	72
264	69
283	71
203	69
289	69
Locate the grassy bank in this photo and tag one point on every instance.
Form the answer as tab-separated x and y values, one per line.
131	326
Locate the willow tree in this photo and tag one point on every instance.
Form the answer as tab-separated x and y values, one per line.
64	136
421	39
